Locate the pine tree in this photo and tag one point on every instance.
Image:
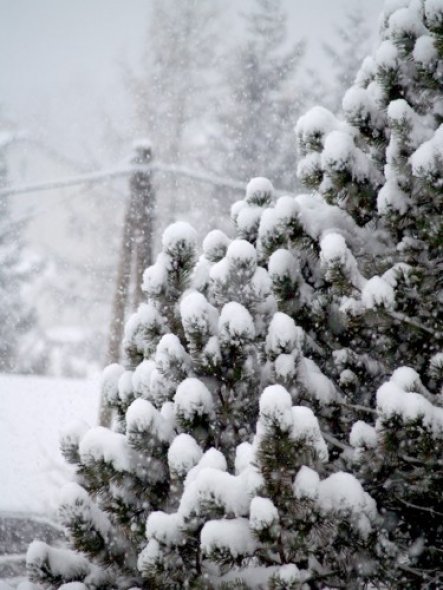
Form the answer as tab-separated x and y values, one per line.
194	438
262	99
382	164
19	350
278	420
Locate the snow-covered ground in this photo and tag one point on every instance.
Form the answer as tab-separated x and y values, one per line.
32	412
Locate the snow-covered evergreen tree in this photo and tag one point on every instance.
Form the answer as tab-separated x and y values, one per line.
278	420
382	164
212	428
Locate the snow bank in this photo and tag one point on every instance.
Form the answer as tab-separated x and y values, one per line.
33	410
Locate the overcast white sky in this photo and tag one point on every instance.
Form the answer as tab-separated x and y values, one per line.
59	58
59	74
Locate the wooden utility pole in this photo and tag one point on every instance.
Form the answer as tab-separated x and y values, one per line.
135	254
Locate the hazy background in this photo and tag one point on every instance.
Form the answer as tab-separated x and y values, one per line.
63	84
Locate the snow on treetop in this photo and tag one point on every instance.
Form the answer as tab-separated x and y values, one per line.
393	401
73	432
400	113
125	387
333	248
390	6
220	271
232	535
150	555
193	398
109	381
269	223
275	406
282	263
358	105
391	196
211	458
317	217
285	367
241	252
212	485
436	364
406	378
317	121
165	528
101	444
309	167
363	435
235	323
425	51
248	219
169	352
261	283
341	492
427	160
306	483
406	22
316	383
141	378
262	513
286	208
141	416
215	245
386	55
177	233
283	335
305	426
244	454
146	314
434	12
154	278
75	498
183	454
236	208
73	586
378	292
366	71
338	151
259	191
197	314
290	574
62	562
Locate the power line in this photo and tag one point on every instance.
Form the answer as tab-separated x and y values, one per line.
98	177
93	178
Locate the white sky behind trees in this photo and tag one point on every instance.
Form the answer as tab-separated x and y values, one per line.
61	81
59	59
